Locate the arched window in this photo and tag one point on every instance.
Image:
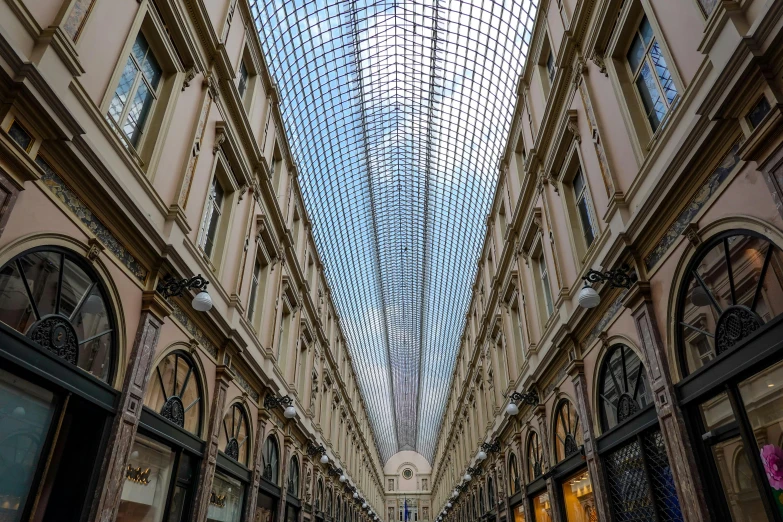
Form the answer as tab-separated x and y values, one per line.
732	286
54	297
271	456
482	505
319	495
475	507
623	386
568	432
338	509
490	494
293	477
329	502
175	391
534	453
513	474
234	435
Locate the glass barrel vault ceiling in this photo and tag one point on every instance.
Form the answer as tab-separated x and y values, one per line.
397	113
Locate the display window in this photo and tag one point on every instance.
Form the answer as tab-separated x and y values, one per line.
226	499
147	480
26	414
578	499
266	506
519	513
542	507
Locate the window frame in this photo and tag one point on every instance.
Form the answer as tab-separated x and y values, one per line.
222	174
542	280
573	166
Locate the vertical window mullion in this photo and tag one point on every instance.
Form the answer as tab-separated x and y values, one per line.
131	94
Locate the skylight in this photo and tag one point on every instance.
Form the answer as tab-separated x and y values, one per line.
397	113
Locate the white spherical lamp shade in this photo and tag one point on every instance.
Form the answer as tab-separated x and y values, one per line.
343	478
324	459
512	409
588	297
467	477
355	495
481	456
290	412
448	505
364	505
202	302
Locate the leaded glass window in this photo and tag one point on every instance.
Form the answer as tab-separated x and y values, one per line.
271	460
293	476
513	474
233	438
54	297
136	93
583	207
212	216
654	82
623	386
175	391
568	431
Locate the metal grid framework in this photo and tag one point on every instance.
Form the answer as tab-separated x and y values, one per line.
397	113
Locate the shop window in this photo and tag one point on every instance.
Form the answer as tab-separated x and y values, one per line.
578	498
233	438
515	484
226	499
568	431
534	454
147	478
650	74
175	391
293	477
271	460
759	111
26	414
55	298
623	386
542	508
137	92
734	279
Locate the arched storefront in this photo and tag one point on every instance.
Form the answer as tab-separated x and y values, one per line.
293	504
728	350
164	462
638	475
232	475
270	492
58	361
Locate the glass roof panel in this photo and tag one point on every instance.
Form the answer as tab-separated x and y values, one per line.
397	113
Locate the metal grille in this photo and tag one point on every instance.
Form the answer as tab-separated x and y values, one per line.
641	487
629	489
661	478
397	113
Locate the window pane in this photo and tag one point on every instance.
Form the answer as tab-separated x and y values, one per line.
762	396
654	107
137	114
15	308
708	6
147	482
151	69
645	30
578	183
212	225
584	219
739	486
225	502
578	498
636	53
123	88
27	412
542	508
664	76
757	113
629	489
140	47
42	271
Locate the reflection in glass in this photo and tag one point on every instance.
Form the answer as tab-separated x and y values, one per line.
736	477
225	501
578	498
534	463
519	514
271	460
25	416
147	482
737	280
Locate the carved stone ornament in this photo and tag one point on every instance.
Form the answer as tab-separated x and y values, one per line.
189	75
598	60
57	335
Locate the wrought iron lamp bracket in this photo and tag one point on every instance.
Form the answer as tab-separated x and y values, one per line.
491	447
313	450
271	402
622	277
170	287
529	397
475	472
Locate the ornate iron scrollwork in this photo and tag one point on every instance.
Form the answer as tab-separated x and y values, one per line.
174	410
491	447
232	448
734	324
57	335
626	407
621	277
569	445
529	397
537	472
171	287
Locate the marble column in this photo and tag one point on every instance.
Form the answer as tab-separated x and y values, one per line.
594	465
258	465
672	424
223	376
112	478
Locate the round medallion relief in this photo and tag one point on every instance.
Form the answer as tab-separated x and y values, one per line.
407	473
